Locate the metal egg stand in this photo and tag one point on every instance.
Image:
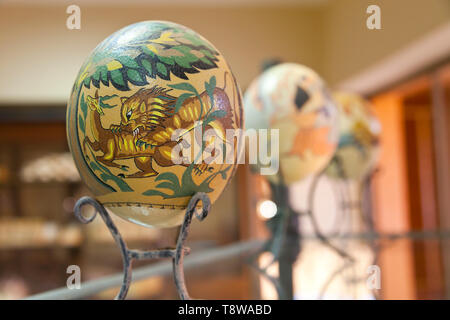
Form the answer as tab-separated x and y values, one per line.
129	255
285	240
345	204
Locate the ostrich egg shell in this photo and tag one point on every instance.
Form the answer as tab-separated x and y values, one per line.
359	131
294	99
138	87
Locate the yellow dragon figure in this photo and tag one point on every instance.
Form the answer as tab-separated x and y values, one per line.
148	120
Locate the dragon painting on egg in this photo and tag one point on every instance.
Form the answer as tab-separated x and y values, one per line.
136	89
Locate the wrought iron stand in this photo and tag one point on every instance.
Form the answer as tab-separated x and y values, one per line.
344	205
128	255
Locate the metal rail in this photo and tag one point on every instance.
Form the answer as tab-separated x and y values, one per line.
201	258
410	235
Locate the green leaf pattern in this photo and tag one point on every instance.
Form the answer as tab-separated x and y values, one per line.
162	51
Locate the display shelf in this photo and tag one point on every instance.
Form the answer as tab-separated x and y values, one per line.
32	233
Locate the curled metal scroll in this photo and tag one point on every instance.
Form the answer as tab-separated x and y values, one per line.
128	255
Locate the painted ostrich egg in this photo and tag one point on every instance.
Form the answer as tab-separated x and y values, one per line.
145	106
295	100
359	130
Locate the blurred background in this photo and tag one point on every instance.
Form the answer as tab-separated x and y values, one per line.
403	69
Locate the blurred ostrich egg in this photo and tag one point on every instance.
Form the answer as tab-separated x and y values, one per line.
359	131
295	100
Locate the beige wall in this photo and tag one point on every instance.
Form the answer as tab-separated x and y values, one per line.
39	57
349	47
